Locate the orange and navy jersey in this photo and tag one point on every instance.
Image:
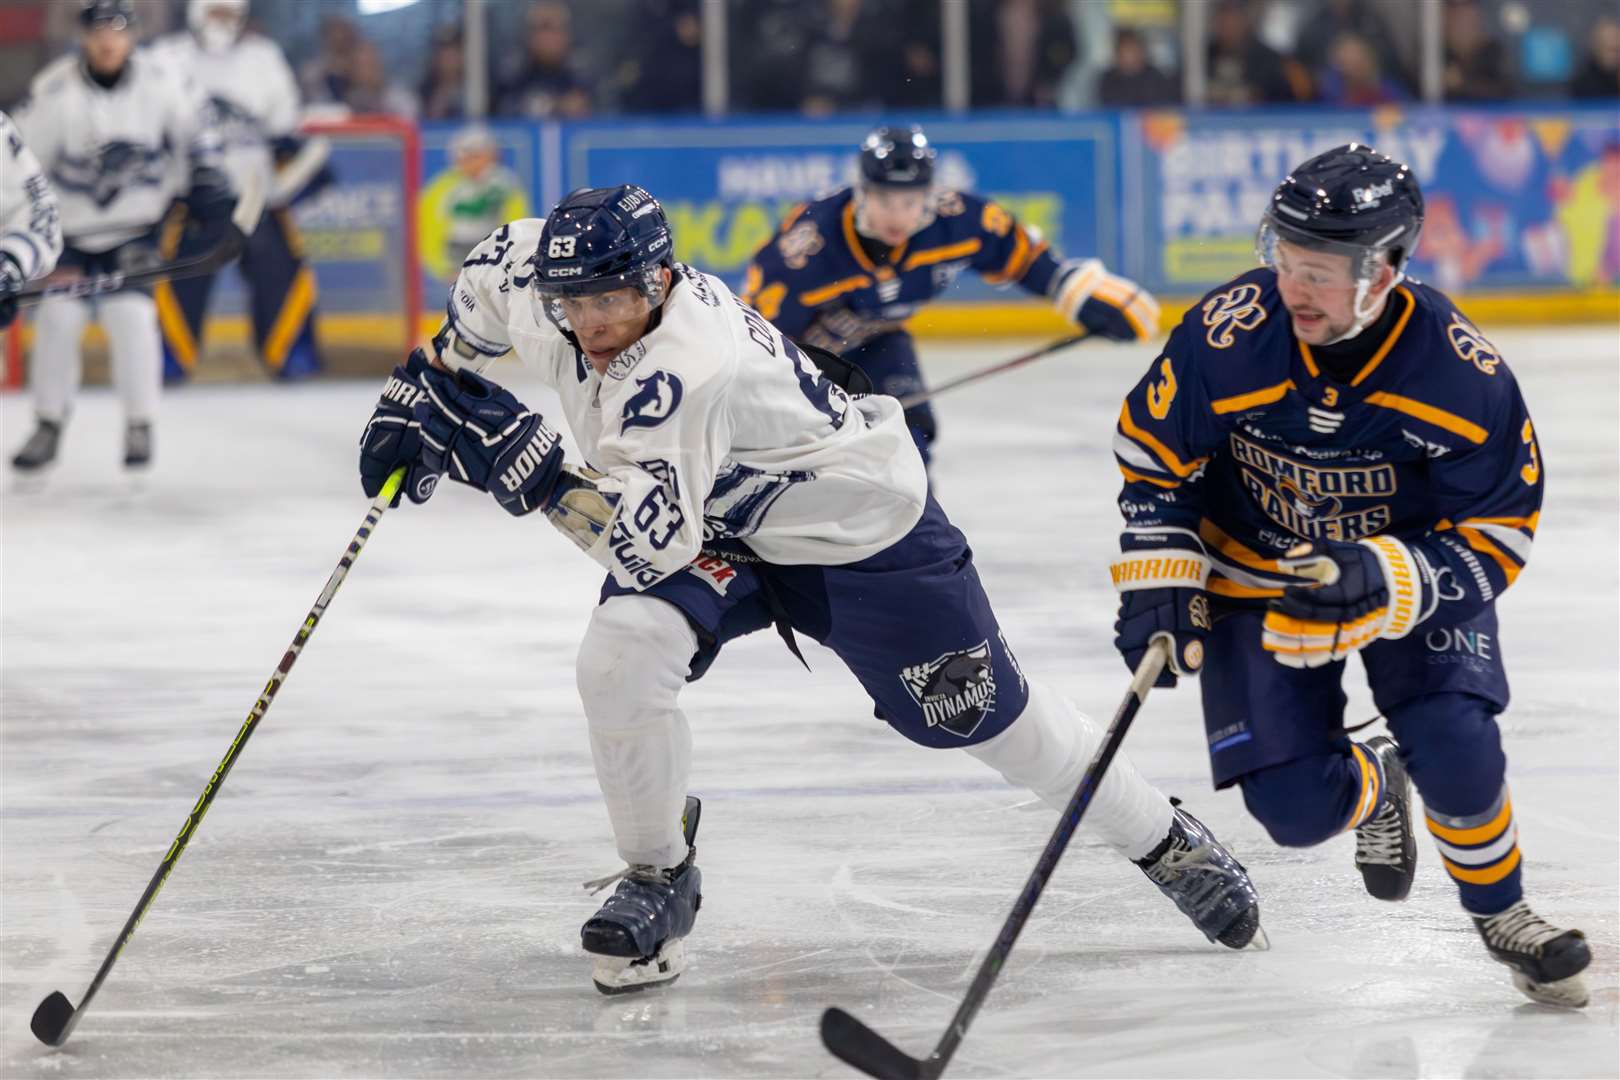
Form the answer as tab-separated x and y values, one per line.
1235	434
816	266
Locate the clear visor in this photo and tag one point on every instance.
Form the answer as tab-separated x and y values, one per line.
582	307
1313	261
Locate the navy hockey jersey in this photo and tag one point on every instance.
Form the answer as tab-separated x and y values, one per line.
815	275
1237	435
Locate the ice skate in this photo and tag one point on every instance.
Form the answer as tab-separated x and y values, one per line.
1209	886
40	449
1386	849
1547	962
137	445
638	936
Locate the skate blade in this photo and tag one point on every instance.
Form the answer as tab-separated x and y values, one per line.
623	975
1570	993
1260	942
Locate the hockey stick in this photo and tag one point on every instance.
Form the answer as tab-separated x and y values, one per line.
55	1018
244	219
865	1049
913	400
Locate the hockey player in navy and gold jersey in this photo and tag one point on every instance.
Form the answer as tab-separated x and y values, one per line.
845	272
1329	458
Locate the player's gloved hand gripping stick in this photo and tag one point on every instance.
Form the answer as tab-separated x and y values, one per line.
874	1055
55	1018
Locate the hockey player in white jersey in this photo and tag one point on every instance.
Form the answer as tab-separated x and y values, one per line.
256	106
119	136
30	226
730	485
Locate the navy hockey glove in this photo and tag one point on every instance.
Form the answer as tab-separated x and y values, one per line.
482	436
1360	592
1086	294
393	437
1160	578
11	283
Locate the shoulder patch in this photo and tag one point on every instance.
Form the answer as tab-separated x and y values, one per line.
1234	309
799	243
655	400
1471	345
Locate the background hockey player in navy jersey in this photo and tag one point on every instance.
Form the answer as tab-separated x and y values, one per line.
732	486
1326	459
845	272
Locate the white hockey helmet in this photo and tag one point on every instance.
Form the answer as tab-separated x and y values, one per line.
217	23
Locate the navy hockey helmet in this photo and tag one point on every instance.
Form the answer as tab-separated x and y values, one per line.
117	14
1351	200
897	157
600	239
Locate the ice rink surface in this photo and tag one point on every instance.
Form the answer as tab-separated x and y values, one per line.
389	883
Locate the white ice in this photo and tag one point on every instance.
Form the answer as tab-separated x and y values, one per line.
388	884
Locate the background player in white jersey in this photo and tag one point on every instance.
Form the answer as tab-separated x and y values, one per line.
119	135
733	486
256	108
30	226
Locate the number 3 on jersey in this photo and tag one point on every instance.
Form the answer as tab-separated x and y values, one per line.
1163	392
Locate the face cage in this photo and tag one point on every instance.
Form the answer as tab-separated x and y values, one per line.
930	208
1366	261
648	282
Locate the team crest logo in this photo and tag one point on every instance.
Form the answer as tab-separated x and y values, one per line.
625	362
1472	346
799	243
1235	309
956	690
1305	506
655	400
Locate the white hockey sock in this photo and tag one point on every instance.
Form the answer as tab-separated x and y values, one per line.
56	363
1047	750
131	322
632	664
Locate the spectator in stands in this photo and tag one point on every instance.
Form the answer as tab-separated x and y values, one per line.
1476	64
443	90
1599	76
325	77
907	76
1331	18
543	83
664	72
1242	69
1352	78
1021	51
370	90
1131	81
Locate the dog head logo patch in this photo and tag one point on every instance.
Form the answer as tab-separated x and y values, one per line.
655	400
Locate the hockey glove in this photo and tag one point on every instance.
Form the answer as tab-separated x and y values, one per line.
393	437
1375	588
482	436
11	283
1085	293
1162	593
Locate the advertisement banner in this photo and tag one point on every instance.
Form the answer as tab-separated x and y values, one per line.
727	186
1515	199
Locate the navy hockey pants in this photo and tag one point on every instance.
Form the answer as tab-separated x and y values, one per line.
1278	732
912	623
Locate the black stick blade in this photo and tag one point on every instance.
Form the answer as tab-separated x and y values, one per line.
51	1019
861	1047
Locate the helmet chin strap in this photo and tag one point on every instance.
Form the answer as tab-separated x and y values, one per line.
1364	315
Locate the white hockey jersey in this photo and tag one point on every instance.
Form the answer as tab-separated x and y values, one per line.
712	426
254	95
30	227
116	157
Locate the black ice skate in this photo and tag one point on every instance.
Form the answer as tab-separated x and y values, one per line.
638	936
40	449
137	446
1547	962
1209	886
1386	849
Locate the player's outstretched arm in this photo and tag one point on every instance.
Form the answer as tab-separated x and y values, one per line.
30	227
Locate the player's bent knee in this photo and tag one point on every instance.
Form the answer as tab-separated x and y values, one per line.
1293	801
633	660
1452	747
